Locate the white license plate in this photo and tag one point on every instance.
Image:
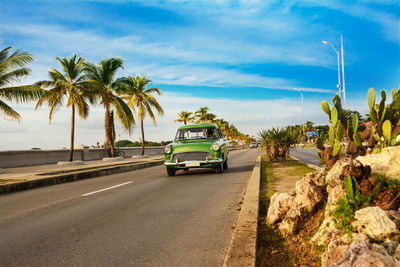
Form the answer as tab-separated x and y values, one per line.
192	164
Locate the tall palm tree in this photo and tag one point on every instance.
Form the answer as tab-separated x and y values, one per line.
185	117
140	99
223	125
101	78
12	69
202	115
68	83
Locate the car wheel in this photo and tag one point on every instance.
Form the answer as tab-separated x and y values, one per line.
226	164
170	171
219	169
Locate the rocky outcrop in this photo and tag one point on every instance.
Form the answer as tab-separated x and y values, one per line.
361	254
334	176
374	222
308	194
318	176
387	162
338	246
288	208
279	205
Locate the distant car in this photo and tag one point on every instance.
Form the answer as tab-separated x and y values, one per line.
197	146
253	145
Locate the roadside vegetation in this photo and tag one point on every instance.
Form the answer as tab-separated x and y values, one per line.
273	249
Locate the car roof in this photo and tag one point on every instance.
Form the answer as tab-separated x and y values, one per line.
201	125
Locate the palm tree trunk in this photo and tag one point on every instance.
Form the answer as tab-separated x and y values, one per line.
184	122
71	150
109	132
141	126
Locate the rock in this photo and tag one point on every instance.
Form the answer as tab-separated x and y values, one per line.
327	231
279	205
337	247
396	254
318	176
308	194
356	169
374	222
390	246
336	193
359	254
387	162
333	177
394	215
289	224
378	248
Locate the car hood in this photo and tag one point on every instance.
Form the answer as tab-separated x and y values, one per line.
179	147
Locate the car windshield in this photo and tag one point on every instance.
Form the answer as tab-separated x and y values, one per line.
196	133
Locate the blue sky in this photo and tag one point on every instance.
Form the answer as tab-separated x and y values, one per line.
242	59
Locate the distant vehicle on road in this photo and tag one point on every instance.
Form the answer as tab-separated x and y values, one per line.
197	146
253	145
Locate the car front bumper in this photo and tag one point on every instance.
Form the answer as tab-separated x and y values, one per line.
194	164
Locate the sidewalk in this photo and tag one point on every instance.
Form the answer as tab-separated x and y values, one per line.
22	178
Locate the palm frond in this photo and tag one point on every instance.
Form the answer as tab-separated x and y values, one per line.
21	93
124	114
17	59
8	111
13	76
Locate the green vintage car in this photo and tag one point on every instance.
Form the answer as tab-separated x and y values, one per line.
197	146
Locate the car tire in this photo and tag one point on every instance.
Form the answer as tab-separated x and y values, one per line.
220	168
226	164
170	171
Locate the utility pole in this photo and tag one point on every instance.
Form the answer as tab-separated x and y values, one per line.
302	108
344	88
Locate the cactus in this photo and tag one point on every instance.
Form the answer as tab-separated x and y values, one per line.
354	123
371	98
334	117
357	140
336	148
385	119
387	131
325	107
331	136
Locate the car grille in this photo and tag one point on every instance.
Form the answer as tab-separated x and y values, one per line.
188	156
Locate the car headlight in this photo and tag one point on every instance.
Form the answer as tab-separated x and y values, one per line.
167	149
215	147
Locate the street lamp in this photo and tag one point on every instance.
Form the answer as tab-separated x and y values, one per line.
338	65
302	108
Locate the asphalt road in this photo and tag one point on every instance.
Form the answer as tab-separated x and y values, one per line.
145	219
307	155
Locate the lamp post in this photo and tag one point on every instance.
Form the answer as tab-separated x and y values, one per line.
302	109
338	65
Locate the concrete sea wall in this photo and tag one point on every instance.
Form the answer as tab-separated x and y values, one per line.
20	158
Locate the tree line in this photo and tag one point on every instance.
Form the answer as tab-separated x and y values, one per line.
202	115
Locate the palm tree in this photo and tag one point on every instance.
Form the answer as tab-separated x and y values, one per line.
12	69
140	99
101	78
185	117
66	84
203	116
223	125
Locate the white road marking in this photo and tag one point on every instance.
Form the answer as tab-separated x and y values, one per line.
108	188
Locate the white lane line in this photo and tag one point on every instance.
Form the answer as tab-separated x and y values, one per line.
105	189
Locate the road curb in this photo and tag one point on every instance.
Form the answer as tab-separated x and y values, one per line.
74	176
242	249
312	166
